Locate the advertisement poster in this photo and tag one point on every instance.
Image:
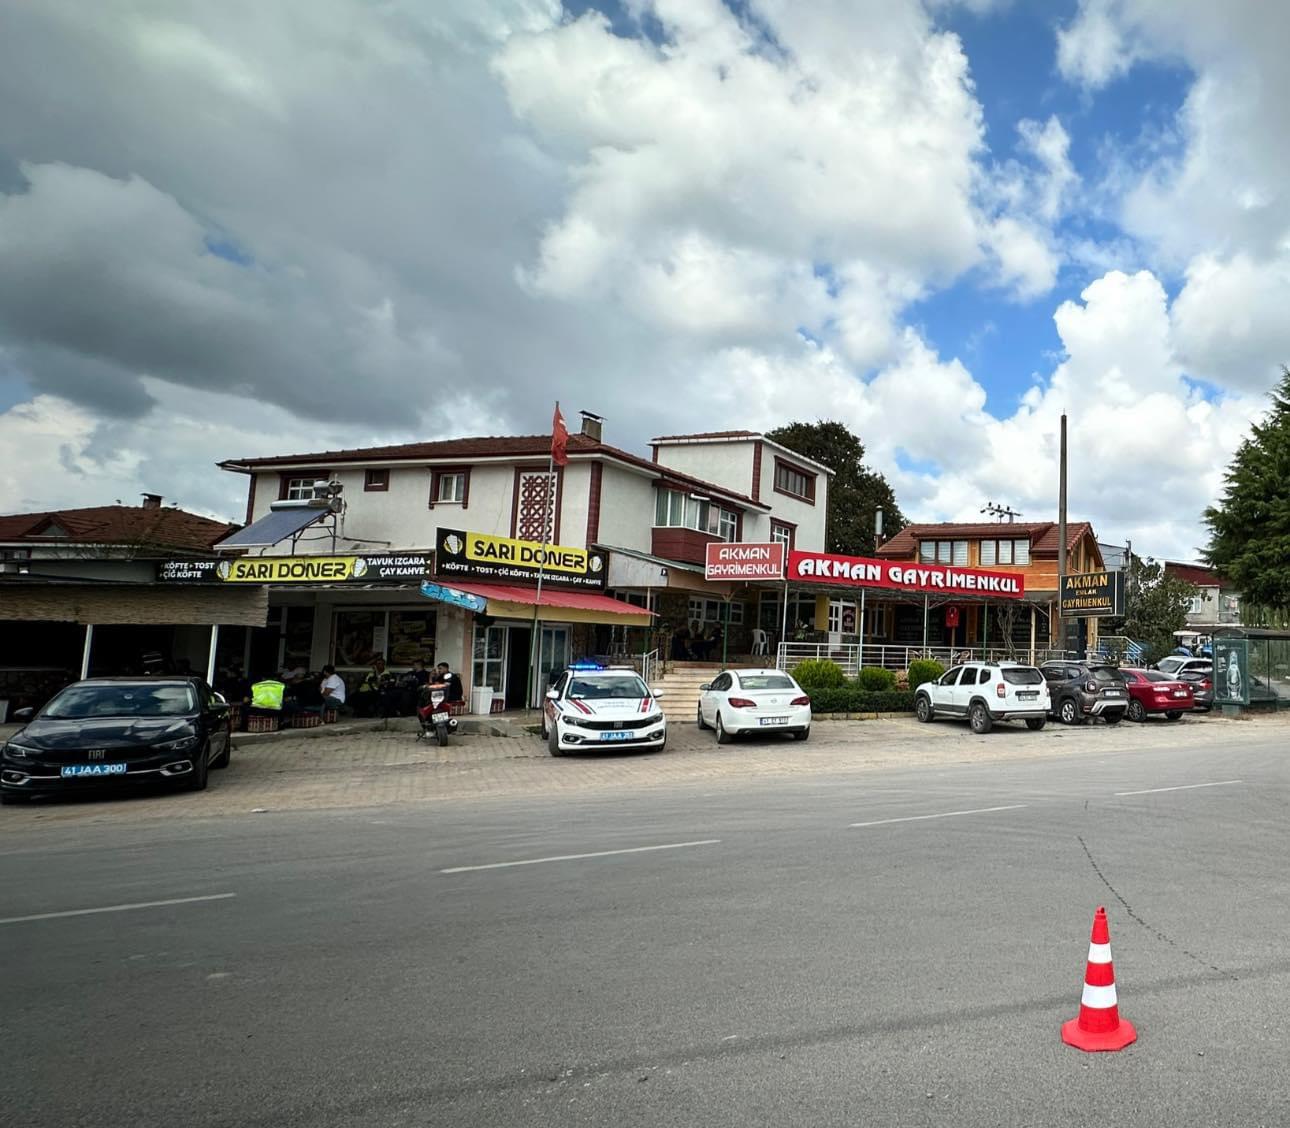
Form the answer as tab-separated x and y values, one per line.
1231	671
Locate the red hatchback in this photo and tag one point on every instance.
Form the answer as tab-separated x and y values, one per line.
1150	691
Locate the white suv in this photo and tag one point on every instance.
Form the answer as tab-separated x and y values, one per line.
985	692
600	709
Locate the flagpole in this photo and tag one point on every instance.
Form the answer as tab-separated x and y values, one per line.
548	519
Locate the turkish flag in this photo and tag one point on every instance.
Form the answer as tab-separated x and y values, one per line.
559	439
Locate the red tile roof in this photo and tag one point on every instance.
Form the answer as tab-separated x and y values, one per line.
160	528
1042	534
580	447
1198	574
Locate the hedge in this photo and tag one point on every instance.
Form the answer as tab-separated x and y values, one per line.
819	673
875	679
853	699
924	670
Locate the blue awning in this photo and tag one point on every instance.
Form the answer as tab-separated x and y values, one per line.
273	527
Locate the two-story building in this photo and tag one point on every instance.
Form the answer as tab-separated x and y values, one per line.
1216	603
632	535
942	589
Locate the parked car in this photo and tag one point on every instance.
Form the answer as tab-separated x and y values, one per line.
1080	690
117	730
1176	664
738	701
1202	688
602	708
1153	691
985	692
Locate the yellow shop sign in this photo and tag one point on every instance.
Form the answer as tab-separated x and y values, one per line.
292	569
485	549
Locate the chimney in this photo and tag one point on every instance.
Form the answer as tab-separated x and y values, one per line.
151	501
592	425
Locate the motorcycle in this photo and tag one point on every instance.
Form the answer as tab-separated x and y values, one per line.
435	714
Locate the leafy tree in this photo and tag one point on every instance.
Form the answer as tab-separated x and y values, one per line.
1249	529
1155	605
855	492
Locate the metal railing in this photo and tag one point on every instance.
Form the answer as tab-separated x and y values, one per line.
649	664
851	656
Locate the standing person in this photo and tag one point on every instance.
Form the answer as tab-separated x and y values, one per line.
332	688
680	643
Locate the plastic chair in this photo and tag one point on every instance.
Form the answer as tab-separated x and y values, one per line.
760	640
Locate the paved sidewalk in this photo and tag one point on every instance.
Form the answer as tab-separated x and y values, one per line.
382	768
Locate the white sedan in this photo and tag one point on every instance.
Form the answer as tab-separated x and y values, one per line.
738	701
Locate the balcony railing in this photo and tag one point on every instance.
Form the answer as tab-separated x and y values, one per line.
851	656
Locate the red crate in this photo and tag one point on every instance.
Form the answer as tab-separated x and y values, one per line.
330	716
306	720
261	724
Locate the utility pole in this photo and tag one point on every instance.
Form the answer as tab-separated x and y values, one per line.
1061	535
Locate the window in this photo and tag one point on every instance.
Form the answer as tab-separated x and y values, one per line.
983	677
376	480
1197	604
674	509
398	636
943	552
714	611
1005	552
794	481
298	486
782	534
842	617
450	487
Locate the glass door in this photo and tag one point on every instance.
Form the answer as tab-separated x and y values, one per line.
553	657
490	657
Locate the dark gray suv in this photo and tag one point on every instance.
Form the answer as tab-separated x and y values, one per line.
1080	690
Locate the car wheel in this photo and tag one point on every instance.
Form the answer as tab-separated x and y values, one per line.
1069	713
723	737
1113	718
802	734
201	766
979	719
1173	716
923	709
1034	724
553	742
701	722
1137	713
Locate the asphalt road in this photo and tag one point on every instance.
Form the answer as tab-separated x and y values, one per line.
769	963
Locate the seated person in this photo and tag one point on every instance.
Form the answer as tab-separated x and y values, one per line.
332	689
266	696
443	675
367	698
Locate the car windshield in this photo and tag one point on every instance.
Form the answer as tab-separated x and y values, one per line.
122	701
603	689
1105	675
765	681
1197	675
1171	664
1022	675
1159	676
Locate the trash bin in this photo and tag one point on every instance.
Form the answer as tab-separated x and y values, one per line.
481	700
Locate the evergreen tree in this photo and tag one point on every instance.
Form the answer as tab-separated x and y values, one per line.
1249	529
855	492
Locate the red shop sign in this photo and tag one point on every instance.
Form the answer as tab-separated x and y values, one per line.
951	616
901	575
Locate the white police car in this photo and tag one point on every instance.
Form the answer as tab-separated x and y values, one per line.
602	708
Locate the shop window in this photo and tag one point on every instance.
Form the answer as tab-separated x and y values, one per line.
374	481
713	611
398	635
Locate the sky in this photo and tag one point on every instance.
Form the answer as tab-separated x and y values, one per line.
242	229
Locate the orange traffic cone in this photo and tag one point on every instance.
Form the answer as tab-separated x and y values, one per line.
1099	1026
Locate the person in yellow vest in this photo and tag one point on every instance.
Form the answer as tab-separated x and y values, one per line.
266	696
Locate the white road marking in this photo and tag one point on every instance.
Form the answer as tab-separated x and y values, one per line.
118	908
942	815
1184	787
576	857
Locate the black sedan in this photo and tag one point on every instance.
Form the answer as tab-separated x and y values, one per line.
117	730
